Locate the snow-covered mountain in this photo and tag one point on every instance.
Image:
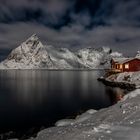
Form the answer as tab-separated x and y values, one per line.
32	54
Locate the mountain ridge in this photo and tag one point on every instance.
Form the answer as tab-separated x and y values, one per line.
32	54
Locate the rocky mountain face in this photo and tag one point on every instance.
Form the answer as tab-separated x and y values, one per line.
32	54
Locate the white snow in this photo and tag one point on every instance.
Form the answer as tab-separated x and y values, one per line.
91	111
65	122
106	49
81	118
90	57
116	54
131	95
126	77
138	54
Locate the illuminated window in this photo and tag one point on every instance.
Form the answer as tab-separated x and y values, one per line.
126	66
121	66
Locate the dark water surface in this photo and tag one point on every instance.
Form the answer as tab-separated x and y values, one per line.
33	99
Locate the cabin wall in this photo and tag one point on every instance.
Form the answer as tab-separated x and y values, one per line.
115	66
134	65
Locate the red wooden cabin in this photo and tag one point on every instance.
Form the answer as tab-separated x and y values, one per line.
125	64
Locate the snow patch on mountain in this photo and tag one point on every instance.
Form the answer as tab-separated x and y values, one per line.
116	54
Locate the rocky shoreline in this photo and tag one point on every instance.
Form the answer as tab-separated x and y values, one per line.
18	135
123	85
125	80
118	122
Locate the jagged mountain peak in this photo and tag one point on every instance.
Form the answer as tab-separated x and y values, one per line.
33	37
32	42
30	54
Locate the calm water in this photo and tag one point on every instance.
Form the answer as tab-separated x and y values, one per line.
32	99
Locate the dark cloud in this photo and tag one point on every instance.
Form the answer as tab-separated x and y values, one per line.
47	12
72	23
122	12
58	12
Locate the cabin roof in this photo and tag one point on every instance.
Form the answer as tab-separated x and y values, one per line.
124	60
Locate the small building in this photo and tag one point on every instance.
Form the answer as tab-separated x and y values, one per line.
125	64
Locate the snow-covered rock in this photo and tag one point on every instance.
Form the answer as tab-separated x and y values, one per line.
32	54
116	54
132	95
64	122
126	77
106	49
79	119
138	54
90	57
91	111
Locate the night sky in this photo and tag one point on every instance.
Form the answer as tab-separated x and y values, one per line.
71	23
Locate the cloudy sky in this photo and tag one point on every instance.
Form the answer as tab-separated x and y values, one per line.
71	23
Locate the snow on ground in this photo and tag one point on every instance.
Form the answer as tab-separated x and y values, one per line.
118	122
131	95
78	119
126	77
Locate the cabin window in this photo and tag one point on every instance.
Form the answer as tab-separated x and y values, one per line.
121	66
126	66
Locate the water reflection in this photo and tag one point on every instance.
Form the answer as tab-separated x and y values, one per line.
26	87
115	94
34	87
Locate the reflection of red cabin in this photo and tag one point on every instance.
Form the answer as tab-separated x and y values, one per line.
125	64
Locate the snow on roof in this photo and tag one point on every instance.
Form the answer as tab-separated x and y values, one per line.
123	60
120	60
